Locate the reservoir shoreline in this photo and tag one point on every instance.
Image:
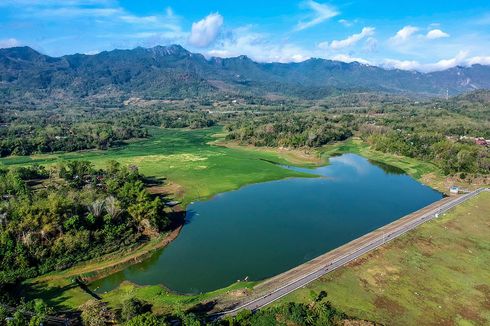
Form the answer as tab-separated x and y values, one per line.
325	216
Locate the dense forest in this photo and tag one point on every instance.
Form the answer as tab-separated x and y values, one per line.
290	129
52	218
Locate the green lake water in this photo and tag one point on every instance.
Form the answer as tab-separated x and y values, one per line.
264	229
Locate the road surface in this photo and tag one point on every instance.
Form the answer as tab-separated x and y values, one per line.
285	283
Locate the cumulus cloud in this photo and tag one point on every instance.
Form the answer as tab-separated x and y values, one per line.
460	59
435	34
353	39
205	31
482	60
404	34
348	58
257	46
9	43
320	12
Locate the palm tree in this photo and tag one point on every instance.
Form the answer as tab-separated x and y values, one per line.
112	207
96	208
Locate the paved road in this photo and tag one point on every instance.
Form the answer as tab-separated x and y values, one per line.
353	253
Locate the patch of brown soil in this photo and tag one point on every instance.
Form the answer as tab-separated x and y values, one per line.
365	284
425	246
469	313
485	289
389	305
295	156
169	189
358	261
453	224
239	293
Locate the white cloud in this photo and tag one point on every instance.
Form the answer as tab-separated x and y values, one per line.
320	12
244	41
9	43
353	39
460	59
348	58
435	34
347	23
483	60
404	34
371	45
205	31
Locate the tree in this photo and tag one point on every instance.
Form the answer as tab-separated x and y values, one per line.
96	313
146	319
134	307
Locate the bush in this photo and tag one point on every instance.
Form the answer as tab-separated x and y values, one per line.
134	307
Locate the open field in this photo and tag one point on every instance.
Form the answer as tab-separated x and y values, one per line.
185	158
436	274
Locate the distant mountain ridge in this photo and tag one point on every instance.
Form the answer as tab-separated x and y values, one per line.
30	78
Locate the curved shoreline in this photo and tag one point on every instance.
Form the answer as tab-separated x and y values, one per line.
97	274
135	255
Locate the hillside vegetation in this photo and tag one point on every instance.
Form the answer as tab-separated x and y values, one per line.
29	78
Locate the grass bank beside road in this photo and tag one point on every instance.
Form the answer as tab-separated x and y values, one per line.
435	274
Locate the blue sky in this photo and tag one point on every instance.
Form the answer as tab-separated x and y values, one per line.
413	35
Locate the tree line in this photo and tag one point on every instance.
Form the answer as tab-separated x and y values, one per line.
26	132
290	129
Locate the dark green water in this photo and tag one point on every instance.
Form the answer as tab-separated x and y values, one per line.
264	229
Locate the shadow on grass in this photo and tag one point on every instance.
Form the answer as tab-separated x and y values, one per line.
202	309
54	296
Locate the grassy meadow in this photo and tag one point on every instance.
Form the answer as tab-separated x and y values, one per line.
185	158
436	274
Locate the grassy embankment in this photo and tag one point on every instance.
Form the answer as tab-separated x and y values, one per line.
195	169
436	274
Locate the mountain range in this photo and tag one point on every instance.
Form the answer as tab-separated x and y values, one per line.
29	78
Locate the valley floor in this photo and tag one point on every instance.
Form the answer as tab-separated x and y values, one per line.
415	277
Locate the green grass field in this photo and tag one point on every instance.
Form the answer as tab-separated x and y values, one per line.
436	274
185	158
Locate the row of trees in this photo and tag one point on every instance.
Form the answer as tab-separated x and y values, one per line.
27	132
52	218
451	156
430	131
28	139
134	312
290	129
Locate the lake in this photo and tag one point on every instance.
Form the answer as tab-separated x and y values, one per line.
264	229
